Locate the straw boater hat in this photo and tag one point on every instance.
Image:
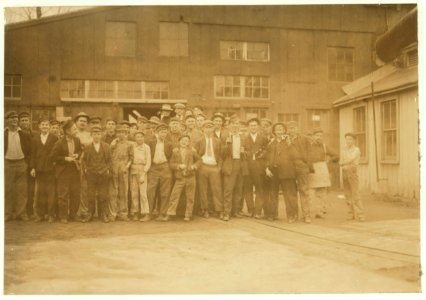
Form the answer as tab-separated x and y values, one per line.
179	105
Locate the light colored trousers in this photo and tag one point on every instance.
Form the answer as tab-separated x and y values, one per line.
119	192
350	187
139	190
16	193
318	199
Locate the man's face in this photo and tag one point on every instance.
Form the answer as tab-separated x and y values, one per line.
208	130
132	130
95	123
318	137
179	111
266	127
12	122
350	141
139	138
72	131
279	130
190	123
122	134
110	126
234	127
253	127
162	134
96	135
292	130
200	120
166	113
44	127
81	123
197	111
141	125
24	123
218	122
184	142
54	129
174	127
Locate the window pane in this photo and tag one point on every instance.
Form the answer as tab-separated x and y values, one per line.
16	92
340	64
257	51
7	91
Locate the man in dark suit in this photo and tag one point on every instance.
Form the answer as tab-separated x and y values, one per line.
232	171
42	169
160	174
209	148
303	166
280	169
17	152
66	154
97	167
255	149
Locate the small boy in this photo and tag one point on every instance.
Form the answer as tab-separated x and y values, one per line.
138	176
43	169
349	163
184	162
97	165
121	157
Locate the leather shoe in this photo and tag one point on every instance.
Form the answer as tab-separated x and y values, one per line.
221	215
308	220
64	221
206	215
37	219
166	218
226	218
258	217
24	218
187	219
146	218
238	215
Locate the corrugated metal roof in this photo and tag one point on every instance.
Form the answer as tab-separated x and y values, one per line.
385	80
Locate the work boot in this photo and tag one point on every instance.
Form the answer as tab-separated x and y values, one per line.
226	217
146	218
238	215
258	217
166	218
221	215
37	219
206	214
187	219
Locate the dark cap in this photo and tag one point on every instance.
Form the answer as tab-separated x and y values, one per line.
218	115
161	126
43	119
277	124
350	134
139	132
179	105
54	122
125	123
81	115
67	125
11	114
121	127
190	117
95	118
316	130
174	119
96	128
24	114
109	119
207	123
184	136
266	120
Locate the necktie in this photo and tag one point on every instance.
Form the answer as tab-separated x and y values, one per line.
209	148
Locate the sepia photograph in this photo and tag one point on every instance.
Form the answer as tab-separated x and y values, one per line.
217	149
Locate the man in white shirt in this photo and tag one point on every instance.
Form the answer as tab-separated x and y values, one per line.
349	162
210	150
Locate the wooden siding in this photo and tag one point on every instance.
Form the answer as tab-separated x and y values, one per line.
395	179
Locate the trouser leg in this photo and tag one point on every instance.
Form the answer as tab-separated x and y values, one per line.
83	208
103	193
290	195
204	183
21	189
190	194
272	203
63	189
215	182
31	183
123	188
248	193
74	194
175	196
153	182
228	191
92	187
165	188
10	188
134	184
353	182
144	203
303	188
41	195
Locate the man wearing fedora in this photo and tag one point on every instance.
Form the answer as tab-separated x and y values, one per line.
17	151
165	113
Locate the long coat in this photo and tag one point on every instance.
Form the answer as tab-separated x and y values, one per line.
200	147
280	159
60	151
40	153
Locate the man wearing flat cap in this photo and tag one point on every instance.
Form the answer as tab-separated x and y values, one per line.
180	111
160	174
219	131
175	132
95	120
209	148
266	125
109	135
55	128
25	122
17	151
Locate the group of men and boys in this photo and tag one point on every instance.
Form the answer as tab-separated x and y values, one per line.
153	167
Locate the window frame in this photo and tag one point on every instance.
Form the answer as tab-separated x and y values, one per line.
286	120
383	158
325	128
242	87
245	51
363	159
328	63
12	85
106	38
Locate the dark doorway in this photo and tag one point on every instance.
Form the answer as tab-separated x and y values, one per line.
147	110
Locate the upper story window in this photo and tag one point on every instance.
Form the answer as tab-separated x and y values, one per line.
72	88
340	64
12	87
156	90
389	128
120	39
241	87
234	50
173	39
101	89
318	118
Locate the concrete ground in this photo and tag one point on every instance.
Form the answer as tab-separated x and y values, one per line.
212	256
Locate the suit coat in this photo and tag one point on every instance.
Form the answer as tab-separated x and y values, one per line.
280	159
25	143
60	151
200	147
191	159
301	146
168	148
256	148
89	160
227	156
40	153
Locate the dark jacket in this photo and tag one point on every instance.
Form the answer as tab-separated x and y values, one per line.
191	159
227	156
257	148
60	151
320	152
40	153
301	146
168	148
25	143
97	163
200	147
280	159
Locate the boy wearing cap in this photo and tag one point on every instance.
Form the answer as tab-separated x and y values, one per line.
349	162
180	111
175	132
184	163
54	128
165	113
66	154
97	166
160	174
122	156
219	131
109	135
42	169
138	177
17	151
191	129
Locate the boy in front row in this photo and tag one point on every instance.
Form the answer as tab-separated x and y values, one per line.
97	168
184	162
138	178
